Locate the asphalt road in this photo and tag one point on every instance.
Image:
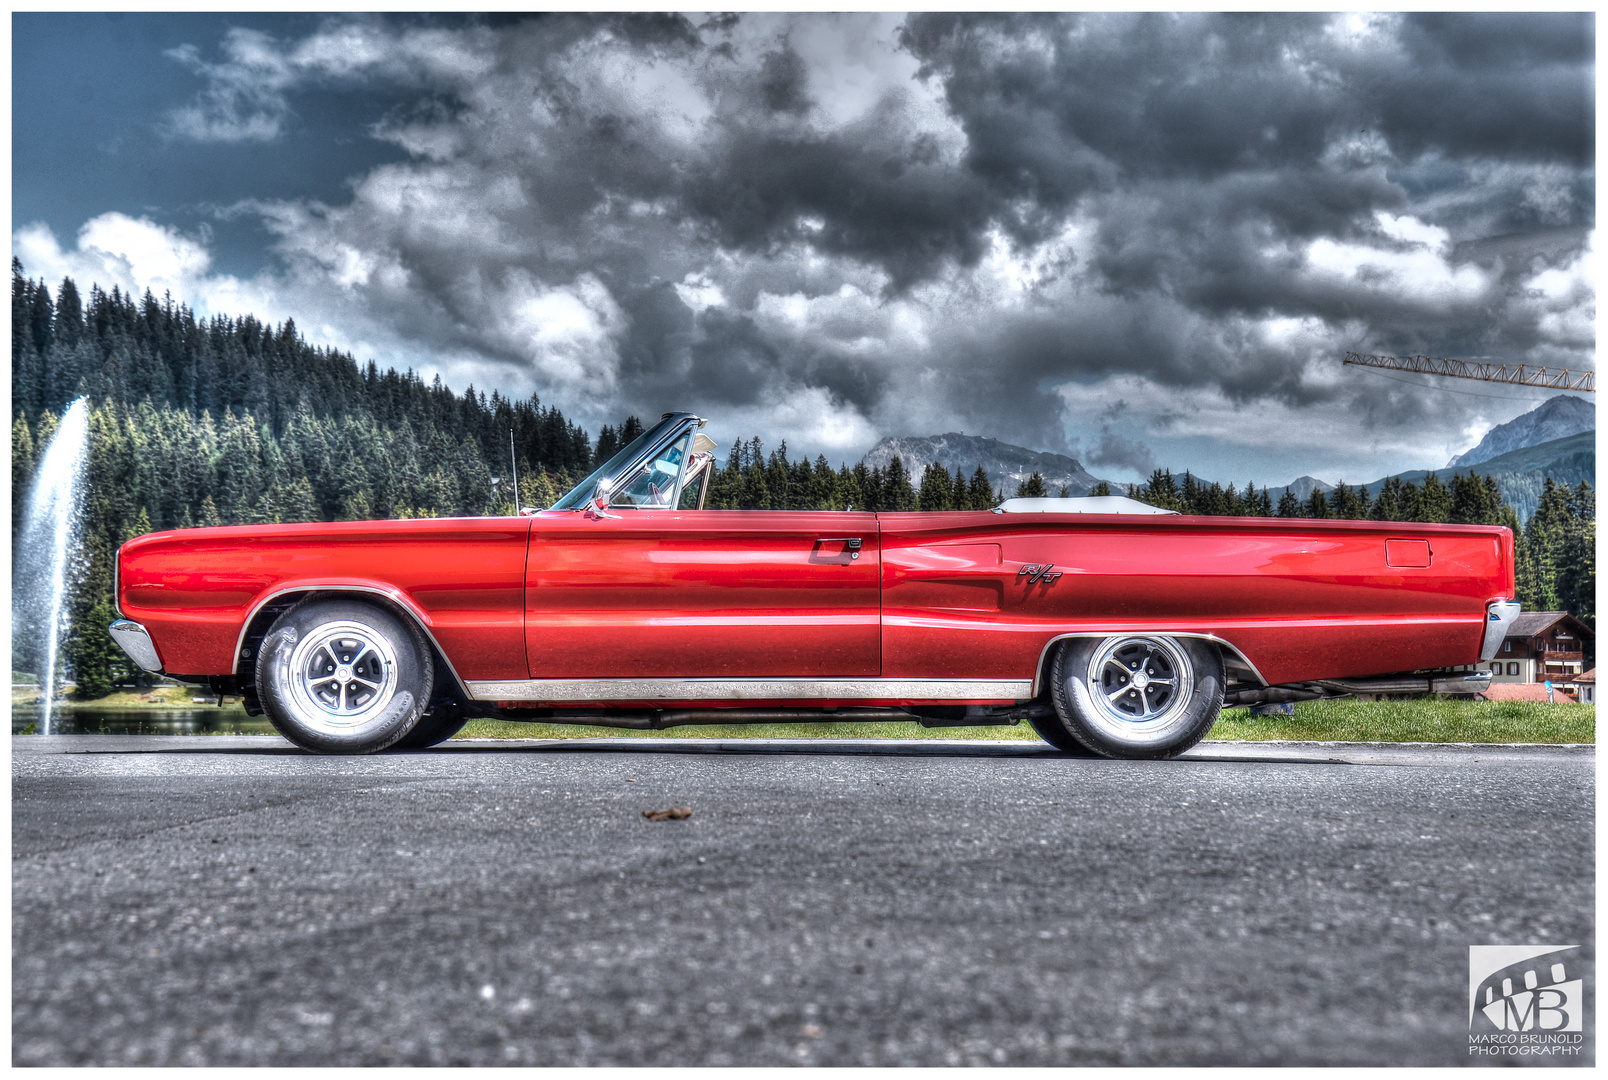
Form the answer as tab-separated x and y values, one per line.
232	901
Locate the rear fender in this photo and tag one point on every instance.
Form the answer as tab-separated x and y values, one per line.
1229	651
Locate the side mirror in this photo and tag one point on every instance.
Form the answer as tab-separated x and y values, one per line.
598	505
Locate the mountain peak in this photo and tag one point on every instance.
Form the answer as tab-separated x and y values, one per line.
1555	418
1302	488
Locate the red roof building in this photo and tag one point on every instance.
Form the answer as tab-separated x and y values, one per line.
1517	691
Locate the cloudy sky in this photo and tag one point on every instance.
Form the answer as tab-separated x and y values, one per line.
1139	239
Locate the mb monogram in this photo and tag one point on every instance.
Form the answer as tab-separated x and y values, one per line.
1525	1001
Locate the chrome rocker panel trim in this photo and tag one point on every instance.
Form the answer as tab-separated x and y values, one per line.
613	690
132	638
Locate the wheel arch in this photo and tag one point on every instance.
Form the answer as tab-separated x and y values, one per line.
274	604
1225	648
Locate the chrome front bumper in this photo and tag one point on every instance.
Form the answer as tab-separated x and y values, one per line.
1498	617
132	639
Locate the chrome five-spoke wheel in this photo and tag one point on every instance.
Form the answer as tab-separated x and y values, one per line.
1142	684
1134	695
342	676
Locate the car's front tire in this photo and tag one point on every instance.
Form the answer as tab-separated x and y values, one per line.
1136	695
343	676
438	727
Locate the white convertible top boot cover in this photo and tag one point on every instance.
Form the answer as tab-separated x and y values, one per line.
1093	504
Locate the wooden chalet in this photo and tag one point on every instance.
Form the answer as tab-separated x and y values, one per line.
1544	646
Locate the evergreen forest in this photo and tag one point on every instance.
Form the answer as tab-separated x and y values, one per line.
226	421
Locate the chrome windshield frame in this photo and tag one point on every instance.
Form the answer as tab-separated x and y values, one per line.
671	427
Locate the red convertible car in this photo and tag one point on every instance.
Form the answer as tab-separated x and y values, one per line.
1108	625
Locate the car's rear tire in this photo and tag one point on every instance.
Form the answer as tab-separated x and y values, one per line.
1052	731
1136	695
343	676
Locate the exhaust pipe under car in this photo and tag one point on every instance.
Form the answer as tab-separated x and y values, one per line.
1408	682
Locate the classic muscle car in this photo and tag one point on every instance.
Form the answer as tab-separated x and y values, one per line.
1108	625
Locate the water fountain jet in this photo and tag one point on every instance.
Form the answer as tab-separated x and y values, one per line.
48	545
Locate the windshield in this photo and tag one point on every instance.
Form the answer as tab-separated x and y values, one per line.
654	484
581	492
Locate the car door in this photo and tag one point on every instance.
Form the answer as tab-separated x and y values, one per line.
671	593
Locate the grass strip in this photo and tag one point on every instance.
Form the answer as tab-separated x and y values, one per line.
1428	719
163	698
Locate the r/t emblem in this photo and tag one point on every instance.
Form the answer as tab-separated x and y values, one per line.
1036	573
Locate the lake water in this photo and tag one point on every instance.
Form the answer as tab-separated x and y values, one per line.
144	722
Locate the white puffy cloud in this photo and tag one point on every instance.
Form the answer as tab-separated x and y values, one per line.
132	254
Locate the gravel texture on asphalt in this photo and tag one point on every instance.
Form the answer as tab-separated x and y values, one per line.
233	901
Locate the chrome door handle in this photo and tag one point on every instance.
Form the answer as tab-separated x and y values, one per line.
850	543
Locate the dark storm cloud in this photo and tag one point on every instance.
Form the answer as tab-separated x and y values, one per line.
1037	226
1209	148
1200	95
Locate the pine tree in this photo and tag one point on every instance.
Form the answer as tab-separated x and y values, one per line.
537	489
41	320
22	468
1032	488
755	493
866	483
982	494
824	494
95	656
1545	535
1434	501
1474	501
69	315
897	492
1577	557
1189	494
1390	503
1350	504
1161	491
778	480
608	444
936	490
850	494
295	501
960	493
358	508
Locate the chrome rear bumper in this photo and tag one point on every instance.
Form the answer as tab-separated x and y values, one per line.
132	639
1498	617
